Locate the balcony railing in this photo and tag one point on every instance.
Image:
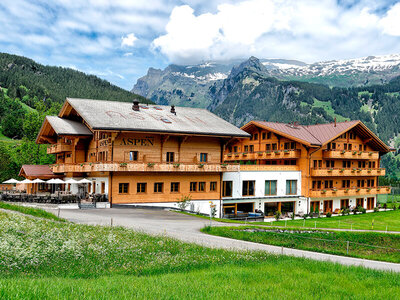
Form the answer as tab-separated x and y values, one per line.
143	167
349	154
273	154
269	168
58	148
325	172
343	192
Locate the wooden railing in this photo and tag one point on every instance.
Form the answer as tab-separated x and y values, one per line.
350	154
354	191
324	172
273	154
58	148
269	168
143	167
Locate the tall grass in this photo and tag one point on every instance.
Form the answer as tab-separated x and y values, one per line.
36	212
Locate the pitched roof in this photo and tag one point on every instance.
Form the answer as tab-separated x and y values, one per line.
113	115
320	134
67	127
36	171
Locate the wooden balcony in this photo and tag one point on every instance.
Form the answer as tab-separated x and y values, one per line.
339	172
58	148
346	154
274	154
143	167
344	192
269	168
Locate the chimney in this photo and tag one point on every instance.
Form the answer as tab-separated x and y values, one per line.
135	105
173	111
335	121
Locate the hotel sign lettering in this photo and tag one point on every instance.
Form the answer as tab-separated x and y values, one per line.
146	141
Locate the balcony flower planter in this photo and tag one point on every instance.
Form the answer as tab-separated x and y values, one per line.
330	170
201	165
323	192
259	153
334	190
237	154
354	152
268	152
387	189
359	170
150	165
357	190
123	164
343	152
176	165
346	190
286	151
224	165
229	154
341	170
244	154
379	170
353	170
276	151
369	189
370	154
378	189
369	170
82	165
359	153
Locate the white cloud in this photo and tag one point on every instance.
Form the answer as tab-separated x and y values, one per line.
310	30
391	22
128	54
128	40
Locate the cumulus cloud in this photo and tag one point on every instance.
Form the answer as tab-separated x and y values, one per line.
308	30
128	40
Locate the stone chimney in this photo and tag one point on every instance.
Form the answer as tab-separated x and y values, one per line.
173	111
135	105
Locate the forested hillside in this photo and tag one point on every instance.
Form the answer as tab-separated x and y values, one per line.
28	92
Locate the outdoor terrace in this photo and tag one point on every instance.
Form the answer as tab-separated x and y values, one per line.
349	154
325	172
143	167
273	154
339	192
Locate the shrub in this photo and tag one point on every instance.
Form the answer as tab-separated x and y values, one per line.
184	201
328	215
277	215
376	209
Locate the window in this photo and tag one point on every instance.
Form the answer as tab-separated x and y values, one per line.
330	163
203	157
123	188
133	155
360	147
291	187
360	183
251	148
370	182
346	183
227	189
270	187
317	164
248	188
170	157
268	147
316	184
274	146
235	149
328	184
174	187
141	187
213	186
350	146
331	146
246	148
202	186
193	186
345	146
346	164
361	164
263	135
158	187
290	145
268	135
256	137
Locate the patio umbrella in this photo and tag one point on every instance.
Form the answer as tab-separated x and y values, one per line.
12	180
37	180
84	180
58	181
26	181
71	181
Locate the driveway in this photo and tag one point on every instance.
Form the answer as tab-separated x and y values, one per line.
187	228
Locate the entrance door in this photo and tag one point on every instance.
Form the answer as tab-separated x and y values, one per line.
314	206
360	202
344	203
370	203
328	204
103	187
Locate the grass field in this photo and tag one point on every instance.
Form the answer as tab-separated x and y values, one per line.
43	259
383	220
36	212
327	106
368	245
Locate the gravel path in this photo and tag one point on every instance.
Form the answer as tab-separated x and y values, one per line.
187	228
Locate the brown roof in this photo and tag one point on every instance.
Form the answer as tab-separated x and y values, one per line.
36	171
320	134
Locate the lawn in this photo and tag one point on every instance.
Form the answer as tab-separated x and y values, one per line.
43	259
36	212
383	220
368	245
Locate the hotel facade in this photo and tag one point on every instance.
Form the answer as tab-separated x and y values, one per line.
156	155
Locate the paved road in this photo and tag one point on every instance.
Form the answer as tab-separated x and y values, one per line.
187	229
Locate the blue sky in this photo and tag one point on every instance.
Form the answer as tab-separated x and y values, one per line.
119	40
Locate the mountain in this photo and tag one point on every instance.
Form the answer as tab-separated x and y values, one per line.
194	85
55	83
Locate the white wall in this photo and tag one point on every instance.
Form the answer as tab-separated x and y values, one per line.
98	180
260	177
336	201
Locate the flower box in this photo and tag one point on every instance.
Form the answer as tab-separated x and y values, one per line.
201	165
343	152
176	165
150	165
123	164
